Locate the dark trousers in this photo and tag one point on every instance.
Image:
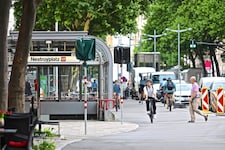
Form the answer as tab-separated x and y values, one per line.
151	100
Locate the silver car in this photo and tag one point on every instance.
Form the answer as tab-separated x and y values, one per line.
182	93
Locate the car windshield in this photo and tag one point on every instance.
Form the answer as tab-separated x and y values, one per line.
207	84
159	77
216	85
183	87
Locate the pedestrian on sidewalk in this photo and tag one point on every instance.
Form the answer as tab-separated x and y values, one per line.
194	100
149	94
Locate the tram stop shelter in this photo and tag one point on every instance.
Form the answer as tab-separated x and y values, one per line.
58	74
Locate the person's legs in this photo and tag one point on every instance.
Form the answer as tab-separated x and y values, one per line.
154	107
191	111
195	107
167	101
147	105
119	100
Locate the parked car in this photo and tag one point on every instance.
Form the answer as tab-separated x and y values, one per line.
206	81
182	94
212	93
179	81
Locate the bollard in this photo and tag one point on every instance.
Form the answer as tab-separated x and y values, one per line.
220	100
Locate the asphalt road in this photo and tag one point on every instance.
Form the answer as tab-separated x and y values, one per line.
170	131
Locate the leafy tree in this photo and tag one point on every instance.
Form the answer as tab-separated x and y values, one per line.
17	80
4	19
205	17
160	16
207	20
98	17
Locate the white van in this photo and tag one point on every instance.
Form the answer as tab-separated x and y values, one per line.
139	73
157	78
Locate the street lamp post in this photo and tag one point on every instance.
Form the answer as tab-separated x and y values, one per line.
154	37
178	44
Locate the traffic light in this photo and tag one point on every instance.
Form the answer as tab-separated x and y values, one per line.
85	49
193	44
129	67
122	55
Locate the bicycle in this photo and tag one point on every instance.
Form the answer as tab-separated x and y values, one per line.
151	110
170	101
117	104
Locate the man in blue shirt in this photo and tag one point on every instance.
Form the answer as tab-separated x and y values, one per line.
116	89
94	86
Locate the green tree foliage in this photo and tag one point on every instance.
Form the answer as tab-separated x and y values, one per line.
98	17
205	17
161	15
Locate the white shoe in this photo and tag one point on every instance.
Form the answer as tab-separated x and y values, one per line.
155	116
148	112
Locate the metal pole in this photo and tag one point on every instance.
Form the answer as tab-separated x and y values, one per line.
155	50
121	99
140	43
85	98
154	36
178	46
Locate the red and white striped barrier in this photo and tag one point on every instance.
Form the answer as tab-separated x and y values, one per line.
220	100
205	99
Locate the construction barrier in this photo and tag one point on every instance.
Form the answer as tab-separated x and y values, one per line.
220	100
205	99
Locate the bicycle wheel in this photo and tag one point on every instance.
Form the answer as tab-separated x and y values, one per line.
170	104
151	115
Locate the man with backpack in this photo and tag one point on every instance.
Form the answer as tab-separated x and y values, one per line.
170	88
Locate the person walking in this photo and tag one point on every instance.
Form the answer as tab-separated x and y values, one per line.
28	89
149	94
94	86
194	100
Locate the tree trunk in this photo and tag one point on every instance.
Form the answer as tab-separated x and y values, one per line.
191	57
212	60
216	63
16	96
88	21
4	19
200	54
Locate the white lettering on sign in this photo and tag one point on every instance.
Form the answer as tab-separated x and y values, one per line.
52	59
45	59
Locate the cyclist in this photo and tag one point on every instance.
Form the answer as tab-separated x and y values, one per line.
161	92
170	88
162	83
116	91
149	94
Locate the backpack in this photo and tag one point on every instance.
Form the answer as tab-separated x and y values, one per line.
169	85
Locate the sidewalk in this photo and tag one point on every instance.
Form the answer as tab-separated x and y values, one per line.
74	131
